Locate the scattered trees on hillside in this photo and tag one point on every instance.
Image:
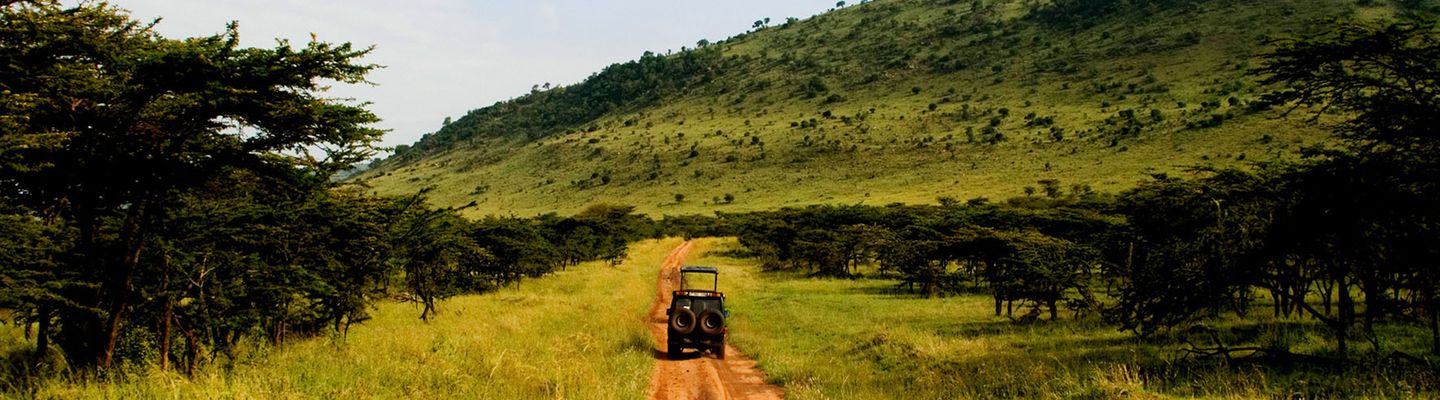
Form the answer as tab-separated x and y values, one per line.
1086	13
633	84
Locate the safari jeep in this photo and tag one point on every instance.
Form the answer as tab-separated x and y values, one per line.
697	315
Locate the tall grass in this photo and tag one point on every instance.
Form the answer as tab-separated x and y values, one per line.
578	334
582	334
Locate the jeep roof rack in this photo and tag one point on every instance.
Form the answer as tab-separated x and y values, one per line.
714	274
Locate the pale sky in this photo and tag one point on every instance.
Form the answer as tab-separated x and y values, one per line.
443	58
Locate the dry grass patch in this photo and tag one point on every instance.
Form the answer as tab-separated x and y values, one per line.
577	334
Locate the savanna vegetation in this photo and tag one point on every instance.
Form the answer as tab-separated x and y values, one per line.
166	200
867	338
1336	248
540	338
170	220
889	101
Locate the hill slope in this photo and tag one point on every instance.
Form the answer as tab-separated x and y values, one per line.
887	101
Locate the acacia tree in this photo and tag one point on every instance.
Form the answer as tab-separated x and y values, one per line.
1383	77
106	122
1383	81
519	248
1189	250
1042	268
278	255
1354	223
438	257
918	253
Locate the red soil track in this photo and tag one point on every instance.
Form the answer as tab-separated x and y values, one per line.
696	376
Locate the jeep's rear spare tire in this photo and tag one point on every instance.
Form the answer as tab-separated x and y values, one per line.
712	322
682	321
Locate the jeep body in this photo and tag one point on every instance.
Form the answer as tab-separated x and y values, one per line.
697	315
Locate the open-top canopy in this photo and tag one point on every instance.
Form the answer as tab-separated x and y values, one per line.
697	269
690	269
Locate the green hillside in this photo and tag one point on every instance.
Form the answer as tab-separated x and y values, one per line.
885	101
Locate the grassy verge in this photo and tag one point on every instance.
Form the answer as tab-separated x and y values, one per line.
578	334
582	334
862	339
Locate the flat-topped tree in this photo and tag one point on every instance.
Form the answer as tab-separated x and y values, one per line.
105	122
1382	82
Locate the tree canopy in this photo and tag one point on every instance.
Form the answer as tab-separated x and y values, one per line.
107	126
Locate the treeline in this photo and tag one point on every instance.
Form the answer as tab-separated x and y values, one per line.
1346	236
1030	250
242	259
1311	239
631	85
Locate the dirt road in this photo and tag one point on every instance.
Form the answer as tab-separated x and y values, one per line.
696	376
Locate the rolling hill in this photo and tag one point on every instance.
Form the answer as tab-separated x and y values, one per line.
885	101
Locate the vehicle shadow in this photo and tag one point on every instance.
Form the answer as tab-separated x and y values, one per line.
662	355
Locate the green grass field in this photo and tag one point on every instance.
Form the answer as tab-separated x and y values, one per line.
863	339
577	334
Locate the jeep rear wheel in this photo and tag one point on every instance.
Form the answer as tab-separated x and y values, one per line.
712	322
720	351
682	321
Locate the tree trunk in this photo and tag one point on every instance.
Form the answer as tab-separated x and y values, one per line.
120	287
1434	325
1374	301
1241	304
1130	258
1277	302
165	334
1347	316
42	335
1433	300
425	312
1327	295
168	314
192	353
